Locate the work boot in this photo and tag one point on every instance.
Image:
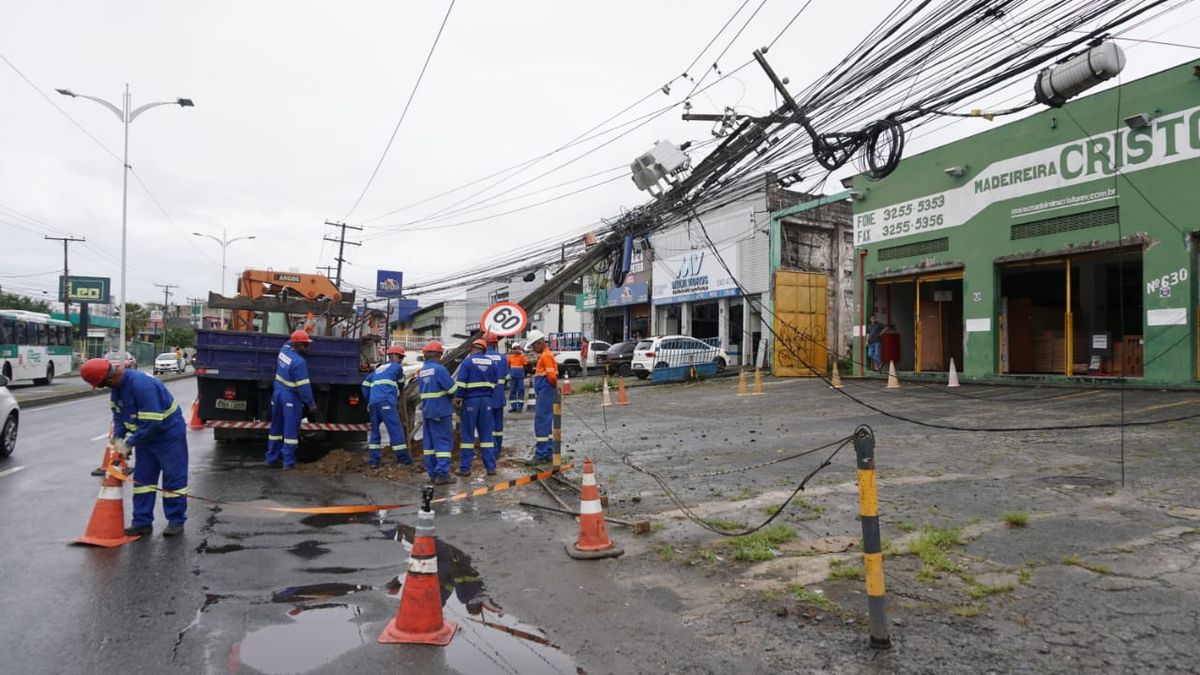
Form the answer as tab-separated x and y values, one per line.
139	530
464	474
534	461
491	472
443	479
173	530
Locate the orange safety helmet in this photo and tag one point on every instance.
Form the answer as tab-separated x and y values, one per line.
491	337
396	349
433	346
96	371
300	336
479	343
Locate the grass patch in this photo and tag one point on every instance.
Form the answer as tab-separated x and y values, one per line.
978	591
762	545
904	526
802	594
769	509
723	524
931	546
1091	567
842	572
657	527
666	552
1016	518
746	493
1126	549
587	388
1024	575
967	611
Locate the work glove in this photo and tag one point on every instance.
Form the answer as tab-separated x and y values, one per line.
119	446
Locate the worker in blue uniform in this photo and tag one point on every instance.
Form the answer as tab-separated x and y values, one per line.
437	411
500	392
381	390
146	417
293	395
476	379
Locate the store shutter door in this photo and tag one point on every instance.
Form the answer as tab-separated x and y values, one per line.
801	299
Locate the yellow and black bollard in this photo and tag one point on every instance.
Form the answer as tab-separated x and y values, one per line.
868	499
557	462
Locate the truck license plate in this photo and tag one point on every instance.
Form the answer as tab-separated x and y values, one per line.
222	404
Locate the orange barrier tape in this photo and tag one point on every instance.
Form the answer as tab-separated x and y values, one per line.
353	508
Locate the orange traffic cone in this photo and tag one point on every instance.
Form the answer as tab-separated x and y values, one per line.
622	398
607	396
893	381
758	385
953	380
743	390
593	541
419	618
194	422
105	458
107	526
566	388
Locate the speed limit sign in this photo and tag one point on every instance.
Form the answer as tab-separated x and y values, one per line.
504	319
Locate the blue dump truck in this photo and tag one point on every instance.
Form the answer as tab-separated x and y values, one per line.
235	373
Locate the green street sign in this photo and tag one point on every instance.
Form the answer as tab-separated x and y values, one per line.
94	290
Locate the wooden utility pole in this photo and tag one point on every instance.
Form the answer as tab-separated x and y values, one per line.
166	300
66	242
341	242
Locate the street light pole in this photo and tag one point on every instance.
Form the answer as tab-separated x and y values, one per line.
127	116
224	243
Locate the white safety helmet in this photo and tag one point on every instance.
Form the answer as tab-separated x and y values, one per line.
534	336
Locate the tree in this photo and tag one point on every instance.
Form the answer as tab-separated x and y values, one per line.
181	337
136	318
13	301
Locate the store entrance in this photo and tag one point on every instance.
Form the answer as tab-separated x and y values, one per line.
923	316
1080	315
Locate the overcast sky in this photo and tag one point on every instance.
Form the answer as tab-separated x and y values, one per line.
296	100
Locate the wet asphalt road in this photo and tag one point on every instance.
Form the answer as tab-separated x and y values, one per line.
243	591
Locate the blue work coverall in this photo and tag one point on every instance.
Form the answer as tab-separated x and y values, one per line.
148	418
381	390
516	396
476	380
500	363
545	387
293	393
437	409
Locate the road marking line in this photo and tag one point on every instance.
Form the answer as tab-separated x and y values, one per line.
1090	392
9	472
1161	406
104	435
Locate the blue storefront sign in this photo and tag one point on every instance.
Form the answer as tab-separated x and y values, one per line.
629	294
389	284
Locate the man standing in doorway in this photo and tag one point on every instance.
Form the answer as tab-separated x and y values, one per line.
545	387
875	342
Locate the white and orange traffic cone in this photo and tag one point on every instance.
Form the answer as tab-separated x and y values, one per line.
419	618
194	422
622	397
953	380
106	457
893	381
566	385
593	542
607	396
758	385
743	390
107	526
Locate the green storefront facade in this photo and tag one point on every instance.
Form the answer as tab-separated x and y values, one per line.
1061	245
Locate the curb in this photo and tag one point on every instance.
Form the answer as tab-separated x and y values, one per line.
83	393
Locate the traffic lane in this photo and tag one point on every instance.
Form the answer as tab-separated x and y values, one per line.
78	607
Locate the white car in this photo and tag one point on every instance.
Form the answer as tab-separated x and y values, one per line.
674	350
10	414
569	361
167	362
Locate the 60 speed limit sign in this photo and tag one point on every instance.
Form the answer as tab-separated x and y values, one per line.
504	319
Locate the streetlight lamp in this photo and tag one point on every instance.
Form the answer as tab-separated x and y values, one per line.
224	241
127	116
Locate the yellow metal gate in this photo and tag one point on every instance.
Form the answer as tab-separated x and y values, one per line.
801	299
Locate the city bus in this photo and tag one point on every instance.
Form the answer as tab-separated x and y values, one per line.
33	346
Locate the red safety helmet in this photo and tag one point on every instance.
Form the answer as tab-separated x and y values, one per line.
480	343
433	346
300	336
396	349
96	371
491	337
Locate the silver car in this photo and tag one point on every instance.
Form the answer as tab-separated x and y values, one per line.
10	414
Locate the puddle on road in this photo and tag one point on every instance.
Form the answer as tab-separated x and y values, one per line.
330	519
309	549
317	592
488	638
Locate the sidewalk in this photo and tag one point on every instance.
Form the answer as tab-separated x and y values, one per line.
66	388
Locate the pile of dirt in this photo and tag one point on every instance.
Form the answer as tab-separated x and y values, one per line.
336	462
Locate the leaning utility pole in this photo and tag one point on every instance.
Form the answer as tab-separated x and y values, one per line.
341	242
166	299
66	241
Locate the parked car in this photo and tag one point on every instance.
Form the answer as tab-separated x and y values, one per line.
571	361
10	415
617	360
128	361
673	350
167	362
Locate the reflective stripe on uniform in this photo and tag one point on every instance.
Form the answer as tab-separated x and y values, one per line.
476	385
374	446
376	383
436	394
143	489
274	438
402	446
541	438
291	441
487	445
443	454
169	494
159	416
429	453
289	383
130	426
